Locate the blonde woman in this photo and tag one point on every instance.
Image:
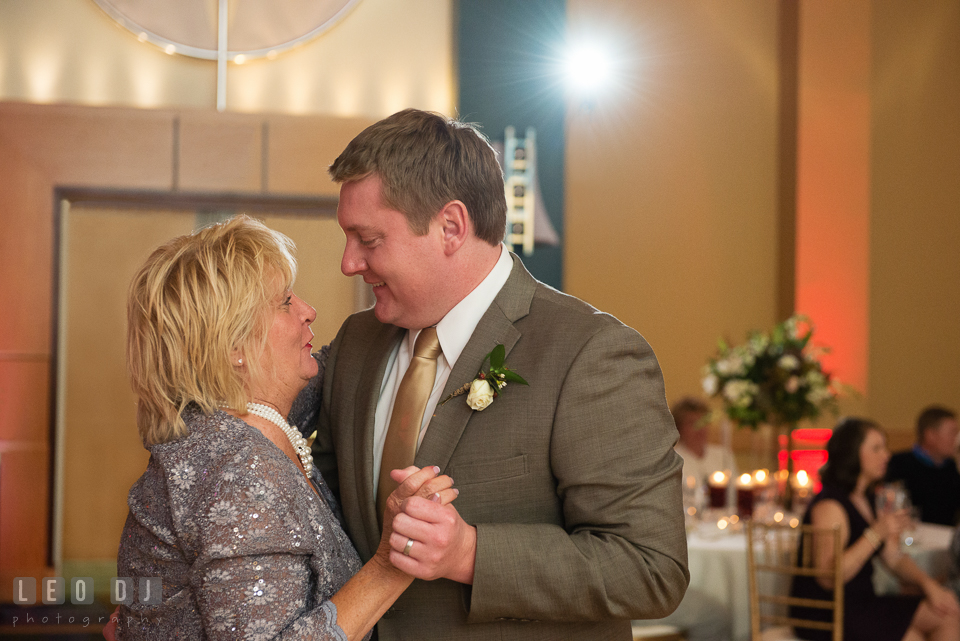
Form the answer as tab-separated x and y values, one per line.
230	513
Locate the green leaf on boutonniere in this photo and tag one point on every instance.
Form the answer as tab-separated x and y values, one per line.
498	373
496	357
513	377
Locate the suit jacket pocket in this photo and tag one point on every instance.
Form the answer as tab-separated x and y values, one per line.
488	471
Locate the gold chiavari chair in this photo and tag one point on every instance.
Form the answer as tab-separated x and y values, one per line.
773	559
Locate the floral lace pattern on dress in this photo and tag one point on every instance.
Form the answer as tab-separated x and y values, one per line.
244	547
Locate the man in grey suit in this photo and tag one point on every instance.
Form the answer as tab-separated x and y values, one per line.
569	520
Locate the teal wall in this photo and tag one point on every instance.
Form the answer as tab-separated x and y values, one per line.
507	58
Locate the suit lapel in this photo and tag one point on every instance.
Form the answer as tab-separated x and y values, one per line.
497	326
368	395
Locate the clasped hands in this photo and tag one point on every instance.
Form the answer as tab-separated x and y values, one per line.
420	510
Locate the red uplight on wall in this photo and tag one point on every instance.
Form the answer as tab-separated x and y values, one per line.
813	434
808	452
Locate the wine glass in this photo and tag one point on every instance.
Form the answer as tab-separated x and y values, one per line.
891	497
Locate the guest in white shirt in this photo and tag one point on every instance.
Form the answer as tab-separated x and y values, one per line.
701	616
700	458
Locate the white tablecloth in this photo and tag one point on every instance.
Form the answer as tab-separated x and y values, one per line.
930	549
718	575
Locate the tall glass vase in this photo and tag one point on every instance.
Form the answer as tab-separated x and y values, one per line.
764	448
785	442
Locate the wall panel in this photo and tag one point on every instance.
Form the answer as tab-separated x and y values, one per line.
26	243
833	183
86	146
915	217
671	182
24	495
220	153
300	151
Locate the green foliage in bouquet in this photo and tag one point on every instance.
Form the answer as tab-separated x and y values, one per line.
774	378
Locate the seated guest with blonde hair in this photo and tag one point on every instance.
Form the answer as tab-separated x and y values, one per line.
231	514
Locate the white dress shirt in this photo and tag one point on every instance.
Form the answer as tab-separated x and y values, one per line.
716	458
454	331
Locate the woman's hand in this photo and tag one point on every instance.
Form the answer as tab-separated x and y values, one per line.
889	526
110	630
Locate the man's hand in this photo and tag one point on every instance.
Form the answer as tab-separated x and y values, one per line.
444	545
414	482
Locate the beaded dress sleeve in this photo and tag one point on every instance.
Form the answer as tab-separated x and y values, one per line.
244	547
306	407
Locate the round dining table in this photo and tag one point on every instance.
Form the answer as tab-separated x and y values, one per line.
717	601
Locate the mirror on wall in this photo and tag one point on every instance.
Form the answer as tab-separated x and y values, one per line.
98	452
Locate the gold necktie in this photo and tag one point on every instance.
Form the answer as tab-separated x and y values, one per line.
400	445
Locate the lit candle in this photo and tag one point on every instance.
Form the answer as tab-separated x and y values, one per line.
718	489
745	496
804	485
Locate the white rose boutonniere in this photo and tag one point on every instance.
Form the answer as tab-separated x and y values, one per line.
481	394
488	385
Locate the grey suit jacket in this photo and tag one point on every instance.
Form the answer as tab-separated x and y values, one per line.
572	481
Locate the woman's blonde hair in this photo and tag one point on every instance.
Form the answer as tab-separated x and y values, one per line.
198	304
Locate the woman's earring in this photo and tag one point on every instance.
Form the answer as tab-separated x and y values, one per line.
240	361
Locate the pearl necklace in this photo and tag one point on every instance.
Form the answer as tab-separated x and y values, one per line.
293	434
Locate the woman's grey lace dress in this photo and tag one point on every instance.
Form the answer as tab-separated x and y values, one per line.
244	547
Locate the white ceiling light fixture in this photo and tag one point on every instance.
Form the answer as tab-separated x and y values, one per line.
222	30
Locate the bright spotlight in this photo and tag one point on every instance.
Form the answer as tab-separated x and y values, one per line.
589	69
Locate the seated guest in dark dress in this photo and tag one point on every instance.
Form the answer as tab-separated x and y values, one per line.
929	470
857	460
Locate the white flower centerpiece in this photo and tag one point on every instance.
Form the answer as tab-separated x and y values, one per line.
775	379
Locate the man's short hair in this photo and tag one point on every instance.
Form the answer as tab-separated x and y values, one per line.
424	161
930	419
686	407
